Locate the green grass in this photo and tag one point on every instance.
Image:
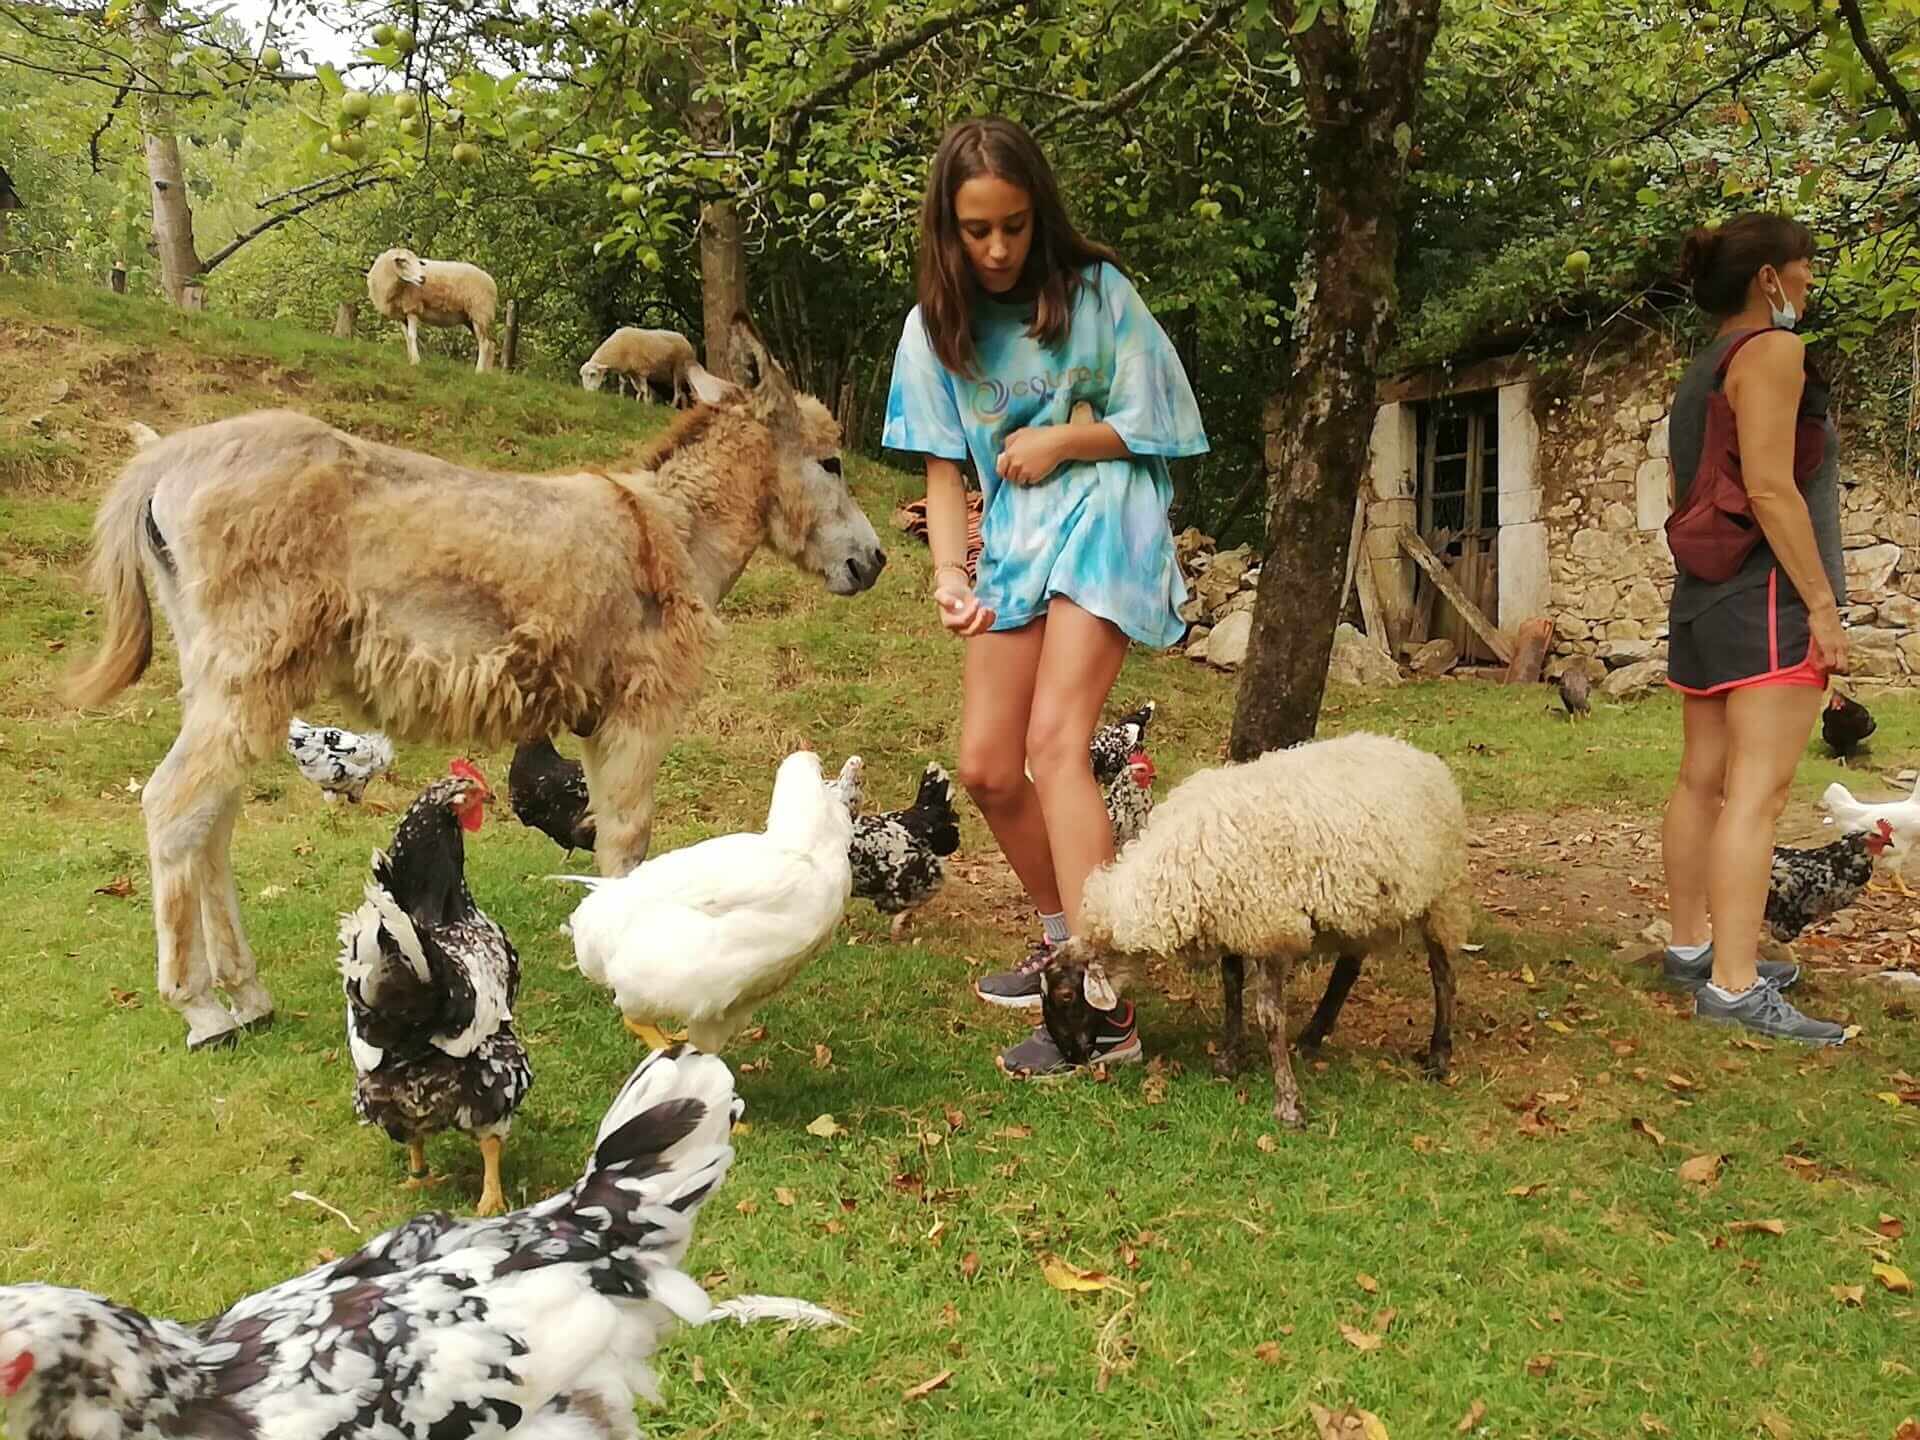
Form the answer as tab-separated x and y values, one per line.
167	1181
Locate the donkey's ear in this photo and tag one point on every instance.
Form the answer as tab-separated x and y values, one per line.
708	388
747	358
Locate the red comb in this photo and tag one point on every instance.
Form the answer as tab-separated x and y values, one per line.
467	770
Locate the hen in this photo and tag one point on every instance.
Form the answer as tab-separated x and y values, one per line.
1901	816
898	855
549	794
1124	772
340	762
1808	886
705	933
1845	725
430	984
540	1325
1576	691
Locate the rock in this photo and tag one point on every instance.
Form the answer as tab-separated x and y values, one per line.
1657	442
1596	547
1624	630
1190	543
1902	612
1910	653
1618	654
1242	600
1567	627
1216	586
1232	564
1873	653
1197	642
1632	681
1600	601
1861	527
1653	414
1644	602
1858	614
1898	979
1619	517
1251	580
1870	567
1650	501
1227	643
1356	660
1435	658
1192	608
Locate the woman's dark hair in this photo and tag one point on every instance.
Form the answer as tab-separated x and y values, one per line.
1059	252
1720	263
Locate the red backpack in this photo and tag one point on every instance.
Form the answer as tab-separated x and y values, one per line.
1713	531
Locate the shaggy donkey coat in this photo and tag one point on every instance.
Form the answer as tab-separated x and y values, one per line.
442	602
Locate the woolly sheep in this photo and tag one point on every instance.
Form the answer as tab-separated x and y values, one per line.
1331	848
405	288
643	357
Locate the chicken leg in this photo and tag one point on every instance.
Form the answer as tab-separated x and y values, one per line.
418	1175
655	1037
493	1200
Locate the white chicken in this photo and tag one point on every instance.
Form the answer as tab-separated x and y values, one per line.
1902	818
705	933
340	762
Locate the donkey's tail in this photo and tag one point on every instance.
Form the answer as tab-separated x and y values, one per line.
120	529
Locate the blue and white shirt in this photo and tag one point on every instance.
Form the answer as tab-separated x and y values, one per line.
1094	531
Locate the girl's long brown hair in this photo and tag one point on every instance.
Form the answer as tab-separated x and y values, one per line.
1004	150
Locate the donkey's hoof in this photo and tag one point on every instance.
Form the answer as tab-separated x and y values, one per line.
252	1006
1436	1064
1288	1115
223	1039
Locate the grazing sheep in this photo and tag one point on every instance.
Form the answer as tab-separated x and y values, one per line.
405	288
1328	848
643	357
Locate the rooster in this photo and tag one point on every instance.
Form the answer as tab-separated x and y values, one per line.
1808	886
1124	772
430	983
1845	725
549	794
897	856
705	933
1902	818
538	1325
339	761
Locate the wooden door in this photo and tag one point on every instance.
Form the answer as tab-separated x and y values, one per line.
1460	512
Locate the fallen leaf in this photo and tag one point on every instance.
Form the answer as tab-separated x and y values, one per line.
1891	1227
1267	1352
826	1127
1476	1412
1764	1227
1367	1283
1267	1143
1384	1321
120	887
969	1264
1701	1169
1526	974
754	1036
130	1000
699	1371
1776	1425
822	1057
1527	1192
1851	1296
1894	1278
1652	1426
1014	1132
782	1195
1360	1339
1064	1275
1352	1423
1909	1429
1641	1127
748	1207
956	1119
926	1387
1681	1083
1540	1366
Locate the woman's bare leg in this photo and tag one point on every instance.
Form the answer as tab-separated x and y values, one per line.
996	702
1692	812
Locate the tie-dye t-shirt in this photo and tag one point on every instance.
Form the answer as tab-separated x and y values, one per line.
1094	531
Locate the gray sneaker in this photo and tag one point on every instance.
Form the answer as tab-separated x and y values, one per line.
1117	1042
1764	1011
1018	988
1692	974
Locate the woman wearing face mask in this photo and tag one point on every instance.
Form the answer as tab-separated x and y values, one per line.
1751	654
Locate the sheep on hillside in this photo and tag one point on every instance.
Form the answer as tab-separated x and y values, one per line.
1329	848
643	357
405	288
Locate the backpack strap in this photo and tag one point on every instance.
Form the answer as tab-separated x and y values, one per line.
1720	370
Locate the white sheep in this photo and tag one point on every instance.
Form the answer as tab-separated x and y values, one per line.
643	357
1330	848
405	288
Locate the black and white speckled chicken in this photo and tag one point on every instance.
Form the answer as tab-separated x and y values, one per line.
1808	886
548	793
898	856
1845	725
538	1325
430	983
1124	772
340	762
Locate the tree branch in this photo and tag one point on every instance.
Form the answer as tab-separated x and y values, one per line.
226	251
1129	95
1786	47
1882	71
93	140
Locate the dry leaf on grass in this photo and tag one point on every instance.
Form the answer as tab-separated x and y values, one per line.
1702	1169
1760	1227
1540	1366
782	1195
822	1057
1476	1412
1527	1192
1367	1283
120	887
1352	1423
1776	1425
1909	1429
1851	1296
1014	1132
1360	1339
1268	1352
1891	1227
748	1207
926	1387
1064	1275
1894	1278
969	1264
1641	1127
826	1127
1652	1426
1267	1143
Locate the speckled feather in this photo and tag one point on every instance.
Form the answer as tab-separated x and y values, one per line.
898	855
340	762
1112	749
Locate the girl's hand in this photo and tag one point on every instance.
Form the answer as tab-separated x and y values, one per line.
1029	456
1828	649
960	609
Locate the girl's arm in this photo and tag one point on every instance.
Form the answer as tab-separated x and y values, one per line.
960	612
1029	456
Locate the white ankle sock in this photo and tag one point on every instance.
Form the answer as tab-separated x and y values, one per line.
1689	952
1054	927
1723	994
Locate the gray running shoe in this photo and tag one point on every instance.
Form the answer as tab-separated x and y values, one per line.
1018	988
1692	974
1117	1042
1765	1011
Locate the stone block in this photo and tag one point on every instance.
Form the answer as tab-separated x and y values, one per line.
1356	660
1871	567
1909	646
1900	612
1657	441
1652	495
1615	654
1873	654
1619	517
1227	645
1632	681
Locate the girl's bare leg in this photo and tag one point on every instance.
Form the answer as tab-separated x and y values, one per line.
997	699
1693	811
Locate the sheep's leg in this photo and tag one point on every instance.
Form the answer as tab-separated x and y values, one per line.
1346	969
228	955
484	361
1233	1020
413	339
1270	1009
622	761
1439	1054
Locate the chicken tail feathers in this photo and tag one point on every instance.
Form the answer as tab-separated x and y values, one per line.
934	818
749	1309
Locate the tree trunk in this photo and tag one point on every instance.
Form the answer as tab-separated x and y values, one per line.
510	337
723	278
343	319
1318	429
172	215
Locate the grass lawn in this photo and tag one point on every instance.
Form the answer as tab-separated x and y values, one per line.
1522	1239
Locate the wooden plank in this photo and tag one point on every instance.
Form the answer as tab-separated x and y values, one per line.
1372	613
1443	582
1530	656
1355	538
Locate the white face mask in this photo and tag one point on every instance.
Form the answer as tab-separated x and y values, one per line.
1784	315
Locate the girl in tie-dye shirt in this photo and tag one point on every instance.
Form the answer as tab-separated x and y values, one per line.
1032	358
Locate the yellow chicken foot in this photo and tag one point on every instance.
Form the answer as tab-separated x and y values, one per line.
655	1037
418	1176
493	1200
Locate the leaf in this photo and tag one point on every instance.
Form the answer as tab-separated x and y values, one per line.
1702	1169
1776	1425
822	1057
969	1264
1267	1143
1367	1283
1681	1083
120	887
1891	1227
1758	1227
1851	1296
1909	1429
826	1127
1363	1340
1476	1412
1894	1278
1527	1192
1540	1366
1352	1423
1064	1275
926	1387
956	1119
1526	974
748	1207
1014	1132
1641	1127
782	1195
1268	1352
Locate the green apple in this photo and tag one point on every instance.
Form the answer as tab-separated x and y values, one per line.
1576	265
406	103
410	127
383	34
466	153
403	41
817	201
356	105
1822	83
269	59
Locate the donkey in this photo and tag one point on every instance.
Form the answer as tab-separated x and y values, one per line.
444	603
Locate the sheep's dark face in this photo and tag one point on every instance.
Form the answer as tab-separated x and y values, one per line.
1070	1020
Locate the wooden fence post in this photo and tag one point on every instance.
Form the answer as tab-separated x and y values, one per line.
510	340
118	280
343	319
